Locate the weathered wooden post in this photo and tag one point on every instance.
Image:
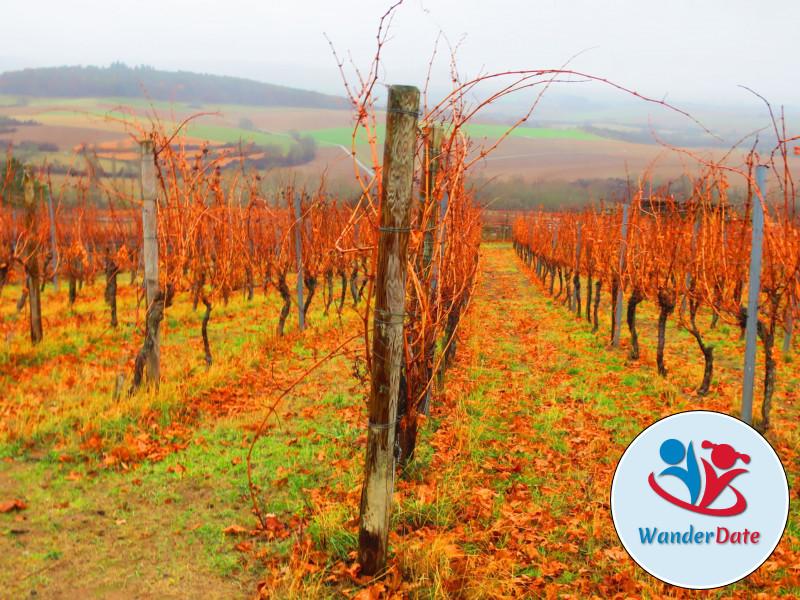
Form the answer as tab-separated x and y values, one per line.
250	249
150	252
354	272
442	234
433	151
791	307
577	279
439	273
32	255
418	392
387	338
53	237
751	340
620	294
553	264
298	247
530	243
443	230
571	295
688	279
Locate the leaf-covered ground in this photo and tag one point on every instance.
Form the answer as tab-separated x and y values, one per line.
147	496
508	496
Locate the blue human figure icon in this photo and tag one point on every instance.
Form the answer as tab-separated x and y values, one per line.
672	453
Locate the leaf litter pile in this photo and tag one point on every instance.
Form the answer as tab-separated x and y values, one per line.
507	497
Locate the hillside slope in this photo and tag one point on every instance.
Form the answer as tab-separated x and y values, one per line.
119	80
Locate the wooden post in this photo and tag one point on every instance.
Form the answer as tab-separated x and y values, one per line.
298	247
530	244
553	263
577	279
688	279
437	267
150	252
417	391
621	269
791	307
32	254
53	237
387	339
751	340
555	236
433	151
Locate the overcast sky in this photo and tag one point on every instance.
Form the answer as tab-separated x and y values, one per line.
684	50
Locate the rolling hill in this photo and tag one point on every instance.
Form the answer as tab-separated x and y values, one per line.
119	80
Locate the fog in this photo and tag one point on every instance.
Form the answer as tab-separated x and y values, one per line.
683	50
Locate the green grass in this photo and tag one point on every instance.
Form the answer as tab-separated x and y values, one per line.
99	353
233	135
343	136
171	521
82	114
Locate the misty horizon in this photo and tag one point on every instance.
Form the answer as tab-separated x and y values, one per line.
684	52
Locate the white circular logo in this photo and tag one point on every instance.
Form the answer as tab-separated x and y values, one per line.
699	499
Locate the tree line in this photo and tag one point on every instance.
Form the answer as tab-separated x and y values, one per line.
119	80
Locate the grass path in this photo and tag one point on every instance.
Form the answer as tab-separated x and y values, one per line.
533	421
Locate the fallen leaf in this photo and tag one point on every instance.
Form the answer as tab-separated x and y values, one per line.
616	554
9	505
373	592
234	530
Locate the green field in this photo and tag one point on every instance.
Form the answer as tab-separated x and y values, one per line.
232	135
96	107
89	103
344	135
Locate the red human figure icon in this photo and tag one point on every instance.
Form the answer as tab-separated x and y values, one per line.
724	457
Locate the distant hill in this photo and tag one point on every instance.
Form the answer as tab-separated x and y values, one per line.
119	80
